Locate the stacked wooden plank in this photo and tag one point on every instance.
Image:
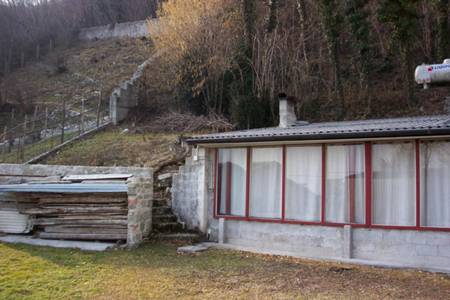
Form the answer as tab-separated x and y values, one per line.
85	207
79	217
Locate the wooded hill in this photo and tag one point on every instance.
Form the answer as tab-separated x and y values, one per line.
349	59
338	59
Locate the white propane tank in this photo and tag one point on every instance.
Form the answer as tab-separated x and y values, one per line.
426	74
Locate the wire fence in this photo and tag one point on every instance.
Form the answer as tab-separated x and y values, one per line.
47	129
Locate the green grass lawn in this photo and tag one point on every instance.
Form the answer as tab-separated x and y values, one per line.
156	271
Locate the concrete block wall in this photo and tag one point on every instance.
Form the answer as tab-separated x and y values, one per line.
140	203
125	96
189	187
423	249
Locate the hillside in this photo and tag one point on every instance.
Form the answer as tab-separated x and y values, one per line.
120	147
75	73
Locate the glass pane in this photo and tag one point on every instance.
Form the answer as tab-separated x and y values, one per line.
345	192
265	183
435	187
394	191
304	183
232	181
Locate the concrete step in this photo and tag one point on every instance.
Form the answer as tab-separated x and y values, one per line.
185	237
167	227
160	202
170	218
162	210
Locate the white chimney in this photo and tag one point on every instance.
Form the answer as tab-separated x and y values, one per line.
287	111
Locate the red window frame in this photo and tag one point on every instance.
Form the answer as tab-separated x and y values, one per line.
323	222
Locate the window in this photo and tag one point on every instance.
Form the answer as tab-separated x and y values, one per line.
265	183
435	184
393	180
231	178
345	193
303	183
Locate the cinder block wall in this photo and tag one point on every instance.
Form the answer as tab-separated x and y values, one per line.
190	189
140	190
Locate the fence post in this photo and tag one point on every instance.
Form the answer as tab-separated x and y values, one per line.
45	122
22	59
5	131
63	122
33	123
21	146
5	140
38	52
12	114
82	117
99	108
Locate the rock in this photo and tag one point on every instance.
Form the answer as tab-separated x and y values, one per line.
165	176
192	249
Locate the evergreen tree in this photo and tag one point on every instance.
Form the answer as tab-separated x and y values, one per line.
331	22
402	16
357	17
443	30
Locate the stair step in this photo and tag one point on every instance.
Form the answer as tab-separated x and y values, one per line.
188	237
171	218
162	210
160	202
167	227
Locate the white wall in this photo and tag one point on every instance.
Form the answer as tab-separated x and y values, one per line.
121	30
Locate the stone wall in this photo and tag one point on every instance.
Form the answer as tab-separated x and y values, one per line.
140	189
120	30
140	195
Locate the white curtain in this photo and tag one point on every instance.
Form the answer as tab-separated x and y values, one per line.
233	161
303	183
265	183
394	191
345	184
435	184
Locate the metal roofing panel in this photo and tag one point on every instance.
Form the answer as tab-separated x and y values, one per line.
65	188
344	129
11	221
96	177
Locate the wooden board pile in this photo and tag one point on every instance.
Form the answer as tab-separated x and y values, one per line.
76	207
77	216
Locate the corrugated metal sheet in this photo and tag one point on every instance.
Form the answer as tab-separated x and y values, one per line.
11	221
427	125
65	188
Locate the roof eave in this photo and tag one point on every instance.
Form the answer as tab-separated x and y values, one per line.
323	136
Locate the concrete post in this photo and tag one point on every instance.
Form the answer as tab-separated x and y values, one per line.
221	231
347	243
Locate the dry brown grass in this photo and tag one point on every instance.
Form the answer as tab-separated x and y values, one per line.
156	271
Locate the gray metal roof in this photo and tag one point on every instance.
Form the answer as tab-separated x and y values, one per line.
64	188
411	126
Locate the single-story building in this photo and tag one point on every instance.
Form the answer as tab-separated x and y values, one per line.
371	191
